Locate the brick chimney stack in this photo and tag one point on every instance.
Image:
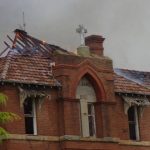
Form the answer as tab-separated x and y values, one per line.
95	43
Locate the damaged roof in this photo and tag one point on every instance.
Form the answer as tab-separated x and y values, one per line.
28	60
131	81
25	44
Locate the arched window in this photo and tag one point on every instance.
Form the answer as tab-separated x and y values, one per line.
85	92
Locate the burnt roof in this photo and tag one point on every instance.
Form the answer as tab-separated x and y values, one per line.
28	60
28	44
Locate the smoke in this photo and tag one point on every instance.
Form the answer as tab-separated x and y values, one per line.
124	24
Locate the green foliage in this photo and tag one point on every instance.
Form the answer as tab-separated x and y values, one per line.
3	99
3	134
5	117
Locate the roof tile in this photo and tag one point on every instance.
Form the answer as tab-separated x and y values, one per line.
124	85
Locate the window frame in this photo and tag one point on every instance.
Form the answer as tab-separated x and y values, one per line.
135	122
92	114
32	115
86	93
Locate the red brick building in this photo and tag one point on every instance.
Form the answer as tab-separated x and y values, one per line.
70	101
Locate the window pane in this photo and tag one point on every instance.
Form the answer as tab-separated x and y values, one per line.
132	131
131	114
29	116
90	108
28	106
29	125
91	125
132	123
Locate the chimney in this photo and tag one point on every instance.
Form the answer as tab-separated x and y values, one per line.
95	43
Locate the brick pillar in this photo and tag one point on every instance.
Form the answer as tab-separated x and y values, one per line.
61	117
98	120
105	120
69	115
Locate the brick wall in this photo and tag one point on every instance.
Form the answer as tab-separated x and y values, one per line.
13	105
121	119
31	145
47	116
144	124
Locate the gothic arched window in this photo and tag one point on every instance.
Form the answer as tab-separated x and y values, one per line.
85	92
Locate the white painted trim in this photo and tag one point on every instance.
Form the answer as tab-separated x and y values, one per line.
80	118
94	121
137	124
85	92
34	118
93	116
84	118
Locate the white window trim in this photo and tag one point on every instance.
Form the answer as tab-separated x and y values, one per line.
85	92
85	119
34	119
137	124
93	109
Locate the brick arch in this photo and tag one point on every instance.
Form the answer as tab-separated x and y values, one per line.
92	76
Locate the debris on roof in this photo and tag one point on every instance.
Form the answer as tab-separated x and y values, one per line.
25	44
27	60
140	77
128	81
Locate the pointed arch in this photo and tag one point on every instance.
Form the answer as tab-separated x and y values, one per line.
92	76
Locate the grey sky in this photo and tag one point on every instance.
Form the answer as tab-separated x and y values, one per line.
124	23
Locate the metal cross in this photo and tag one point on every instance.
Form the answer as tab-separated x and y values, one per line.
82	30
